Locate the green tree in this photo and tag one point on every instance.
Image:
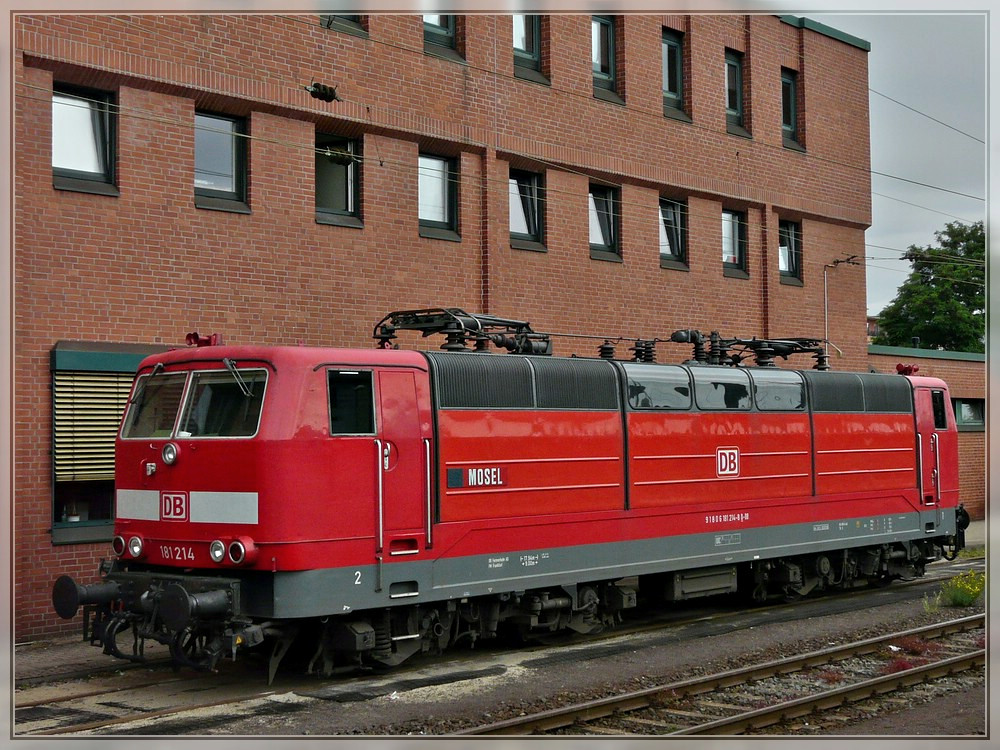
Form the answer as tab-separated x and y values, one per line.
943	301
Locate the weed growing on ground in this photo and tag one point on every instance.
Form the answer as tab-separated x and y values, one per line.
830	676
964	589
900	664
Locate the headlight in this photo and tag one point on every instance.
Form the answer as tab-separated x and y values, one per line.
170	453
217	551
118	545
237	552
135	546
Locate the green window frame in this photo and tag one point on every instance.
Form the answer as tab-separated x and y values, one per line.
970	414
439	30
790	251
84	140
604	222
527	210
602	46
672	56
734	243
673	233
338	180
527	41
220	162
789	108
437	197
735	122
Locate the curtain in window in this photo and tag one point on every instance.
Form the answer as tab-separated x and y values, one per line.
79	134
433	189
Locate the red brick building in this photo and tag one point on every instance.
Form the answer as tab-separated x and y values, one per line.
611	175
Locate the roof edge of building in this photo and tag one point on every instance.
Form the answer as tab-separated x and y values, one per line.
905	351
822	28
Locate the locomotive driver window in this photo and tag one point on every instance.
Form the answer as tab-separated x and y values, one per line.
352	403
218	406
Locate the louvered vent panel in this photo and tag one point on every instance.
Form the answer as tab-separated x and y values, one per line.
88	408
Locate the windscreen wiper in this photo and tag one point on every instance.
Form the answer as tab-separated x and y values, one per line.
157	368
231	366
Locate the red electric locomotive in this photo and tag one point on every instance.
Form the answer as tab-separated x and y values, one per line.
387	502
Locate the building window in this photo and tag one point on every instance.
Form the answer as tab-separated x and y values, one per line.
734	243
602	35
604	209
439	30
527	210
789	108
90	390
790	251
734	92
351	24
83	140
672	48
527	38
219	161
970	414
437	198
673	234
337	181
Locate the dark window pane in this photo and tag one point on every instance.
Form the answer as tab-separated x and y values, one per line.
658	387
721	388
154	406
352	403
336	178
217	155
778	390
218	407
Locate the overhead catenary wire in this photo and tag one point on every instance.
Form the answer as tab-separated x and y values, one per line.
929	117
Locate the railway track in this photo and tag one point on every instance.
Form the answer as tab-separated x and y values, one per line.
731	702
151	698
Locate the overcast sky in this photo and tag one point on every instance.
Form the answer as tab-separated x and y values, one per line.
934	63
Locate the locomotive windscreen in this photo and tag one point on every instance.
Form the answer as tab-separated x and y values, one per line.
215	405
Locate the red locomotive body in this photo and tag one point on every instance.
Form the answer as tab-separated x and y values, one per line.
384	502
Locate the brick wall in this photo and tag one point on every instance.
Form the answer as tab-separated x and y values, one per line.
147	266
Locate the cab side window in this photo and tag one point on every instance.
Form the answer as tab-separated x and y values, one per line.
940	414
352	403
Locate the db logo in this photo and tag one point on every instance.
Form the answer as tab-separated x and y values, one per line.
173	506
727	462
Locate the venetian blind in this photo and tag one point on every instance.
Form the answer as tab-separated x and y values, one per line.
87	409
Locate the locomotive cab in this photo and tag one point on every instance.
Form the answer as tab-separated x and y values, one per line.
282	470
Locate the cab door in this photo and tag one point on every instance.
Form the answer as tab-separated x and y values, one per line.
932	436
403	470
